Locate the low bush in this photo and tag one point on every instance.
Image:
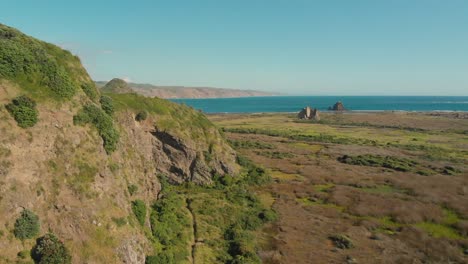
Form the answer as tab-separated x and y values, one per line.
50	250
250	144
341	241
107	104
275	154
242	246
24	254
27	225
139	209
23	109
161	258
119	221
132	189
253	174
398	164
268	215
141	116
296	135
91	114
90	90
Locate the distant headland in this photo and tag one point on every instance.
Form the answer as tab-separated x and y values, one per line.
171	92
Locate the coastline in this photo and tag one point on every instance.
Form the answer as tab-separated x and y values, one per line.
343	112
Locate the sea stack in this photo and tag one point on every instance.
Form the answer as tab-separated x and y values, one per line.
309	113
338	106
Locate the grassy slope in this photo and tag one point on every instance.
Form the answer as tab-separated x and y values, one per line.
77	190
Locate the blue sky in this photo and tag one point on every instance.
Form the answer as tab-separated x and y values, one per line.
328	47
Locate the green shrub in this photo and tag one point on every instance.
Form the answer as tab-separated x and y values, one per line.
250	144
23	254
23	109
141	116
39	65
254	175
50	250
161	258
90	90
341	241
268	215
107	104
132	189
119	221
395	163
102	121
139	209
242	246
27	225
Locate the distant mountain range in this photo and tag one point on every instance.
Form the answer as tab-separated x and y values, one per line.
120	86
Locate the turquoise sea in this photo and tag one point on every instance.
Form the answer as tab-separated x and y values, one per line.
355	103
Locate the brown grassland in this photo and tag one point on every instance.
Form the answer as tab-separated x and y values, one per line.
359	187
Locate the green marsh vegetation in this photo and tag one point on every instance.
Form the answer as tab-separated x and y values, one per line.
247	144
394	204
396	163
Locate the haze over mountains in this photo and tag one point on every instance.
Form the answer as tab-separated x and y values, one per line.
178	91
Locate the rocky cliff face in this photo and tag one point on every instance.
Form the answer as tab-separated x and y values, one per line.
62	172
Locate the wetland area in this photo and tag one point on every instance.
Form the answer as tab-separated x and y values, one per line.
359	187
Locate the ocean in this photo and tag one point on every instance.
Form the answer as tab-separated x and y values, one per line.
355	103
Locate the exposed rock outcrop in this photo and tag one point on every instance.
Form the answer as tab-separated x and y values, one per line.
309	113
338	106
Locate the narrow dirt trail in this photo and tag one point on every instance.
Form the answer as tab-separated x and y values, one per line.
194	230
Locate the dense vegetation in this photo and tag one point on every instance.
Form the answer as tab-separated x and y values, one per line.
27	225
40	68
218	222
247	144
169	225
23	109
141	116
396	163
326	138
50	250
139	210
91	114
107	104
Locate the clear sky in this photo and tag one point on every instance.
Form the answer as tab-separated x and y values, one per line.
328	47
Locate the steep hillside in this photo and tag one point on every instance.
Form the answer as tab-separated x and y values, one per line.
89	165
185	92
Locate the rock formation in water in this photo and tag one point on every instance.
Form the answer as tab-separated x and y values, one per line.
338	106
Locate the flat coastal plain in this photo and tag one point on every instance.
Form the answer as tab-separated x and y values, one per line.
389	187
